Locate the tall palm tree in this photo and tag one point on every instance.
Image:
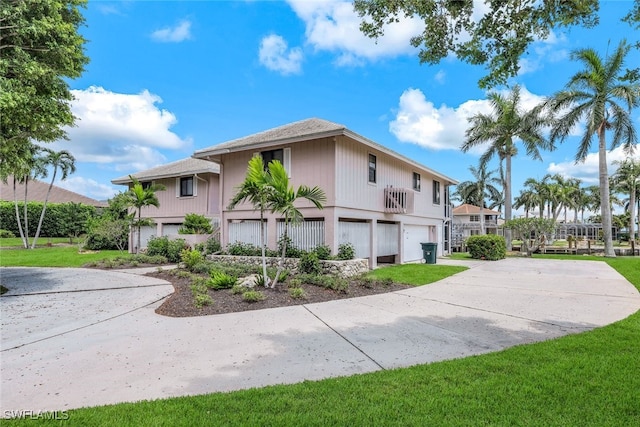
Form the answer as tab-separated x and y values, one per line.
282	200
479	189
64	161
626	179
256	189
502	128
140	196
541	192
598	95
528	199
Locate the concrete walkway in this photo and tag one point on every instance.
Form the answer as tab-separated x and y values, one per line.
79	337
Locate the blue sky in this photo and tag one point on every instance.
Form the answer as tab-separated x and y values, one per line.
169	77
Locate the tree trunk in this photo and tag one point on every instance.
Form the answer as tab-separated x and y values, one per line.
632	214
605	202
44	208
263	244
282	255
25	243
507	201
26	212
483	230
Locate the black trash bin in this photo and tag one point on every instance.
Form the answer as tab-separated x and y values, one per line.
429	251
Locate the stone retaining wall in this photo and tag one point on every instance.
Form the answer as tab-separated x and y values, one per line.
349	268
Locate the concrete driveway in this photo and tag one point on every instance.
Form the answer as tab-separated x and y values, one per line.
79	337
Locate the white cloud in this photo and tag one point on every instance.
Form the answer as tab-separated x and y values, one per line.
175	34
419	121
88	187
275	55
440	76
123	131
587	171
547	50
334	26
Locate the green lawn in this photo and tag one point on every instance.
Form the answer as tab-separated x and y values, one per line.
6	242
416	274
56	256
588	379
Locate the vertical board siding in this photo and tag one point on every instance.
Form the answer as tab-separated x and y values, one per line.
245	232
388	235
306	235
356	233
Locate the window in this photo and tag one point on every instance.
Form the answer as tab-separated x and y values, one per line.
146	185
436	192
372	168
186	186
416	181
474	218
268	156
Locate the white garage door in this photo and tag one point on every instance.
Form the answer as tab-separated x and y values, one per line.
413	236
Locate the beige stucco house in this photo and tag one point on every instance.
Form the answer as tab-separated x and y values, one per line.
382	202
466	222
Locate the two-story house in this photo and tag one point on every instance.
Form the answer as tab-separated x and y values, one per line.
382	202
467	221
191	186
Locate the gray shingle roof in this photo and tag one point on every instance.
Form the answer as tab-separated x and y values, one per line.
183	167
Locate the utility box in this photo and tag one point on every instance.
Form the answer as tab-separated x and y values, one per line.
429	251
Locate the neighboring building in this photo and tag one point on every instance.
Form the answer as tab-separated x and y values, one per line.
383	203
191	187
37	192
466	222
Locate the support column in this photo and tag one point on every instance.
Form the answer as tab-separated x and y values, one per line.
373	244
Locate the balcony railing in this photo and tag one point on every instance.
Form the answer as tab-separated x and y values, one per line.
398	200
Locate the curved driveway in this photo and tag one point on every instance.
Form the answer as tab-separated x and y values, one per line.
80	337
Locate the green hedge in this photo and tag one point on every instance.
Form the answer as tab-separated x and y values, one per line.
490	247
57	219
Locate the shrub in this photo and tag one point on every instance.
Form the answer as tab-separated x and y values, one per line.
346	251
191	258
220	280
175	248
490	247
310	264
157	246
195	224
238	289
326	281
243	249
253	296
297	293
211	246
6	234
201	300
198	287
323	251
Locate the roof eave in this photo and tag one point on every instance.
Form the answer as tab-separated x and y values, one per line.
124	181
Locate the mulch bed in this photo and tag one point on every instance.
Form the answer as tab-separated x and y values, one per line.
181	302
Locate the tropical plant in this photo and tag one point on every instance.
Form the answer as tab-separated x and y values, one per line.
195	224
64	161
599	95
501	129
140	196
282	200
256	190
479	189
627	179
533	232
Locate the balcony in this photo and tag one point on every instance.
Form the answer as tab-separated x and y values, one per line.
398	200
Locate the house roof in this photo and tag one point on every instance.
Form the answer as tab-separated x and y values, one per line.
188	166
304	130
37	192
467	209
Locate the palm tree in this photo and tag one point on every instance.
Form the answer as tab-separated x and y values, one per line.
479	189
528	199
140	196
540	190
256	189
501	129
282	200
64	161
598	95
625	179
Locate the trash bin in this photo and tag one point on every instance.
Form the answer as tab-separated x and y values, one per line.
429	251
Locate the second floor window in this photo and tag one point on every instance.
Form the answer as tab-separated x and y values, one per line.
474	218
436	192
268	156
372	168
186	186
416	181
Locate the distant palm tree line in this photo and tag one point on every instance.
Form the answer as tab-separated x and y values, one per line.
601	96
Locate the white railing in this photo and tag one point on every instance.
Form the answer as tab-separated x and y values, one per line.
398	200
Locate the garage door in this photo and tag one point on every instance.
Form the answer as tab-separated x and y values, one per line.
413	235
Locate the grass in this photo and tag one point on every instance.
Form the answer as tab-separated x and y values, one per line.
588	379
415	274
56	256
7	242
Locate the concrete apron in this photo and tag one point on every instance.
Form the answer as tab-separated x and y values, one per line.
76	337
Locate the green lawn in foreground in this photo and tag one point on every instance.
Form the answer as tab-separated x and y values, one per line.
589	379
56	256
416	274
42	241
